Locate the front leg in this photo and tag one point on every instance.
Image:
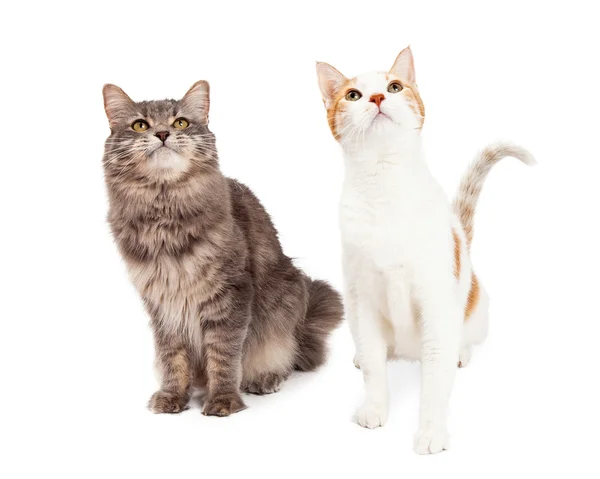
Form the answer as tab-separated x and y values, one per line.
223	338
174	364
350	308
441	320
351	272
371	349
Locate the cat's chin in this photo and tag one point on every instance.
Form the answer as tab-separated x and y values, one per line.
167	161
387	127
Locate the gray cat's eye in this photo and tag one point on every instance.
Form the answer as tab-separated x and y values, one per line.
140	126
181	124
353	95
395	87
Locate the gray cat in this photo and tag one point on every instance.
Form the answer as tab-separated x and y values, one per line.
228	309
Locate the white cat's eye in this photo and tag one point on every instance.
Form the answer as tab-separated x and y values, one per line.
353	95
140	126
181	124
395	87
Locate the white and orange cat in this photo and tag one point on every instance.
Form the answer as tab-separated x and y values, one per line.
410	290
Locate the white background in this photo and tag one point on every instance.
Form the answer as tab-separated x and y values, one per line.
76	350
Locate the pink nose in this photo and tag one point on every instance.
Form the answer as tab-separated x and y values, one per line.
377	98
163	135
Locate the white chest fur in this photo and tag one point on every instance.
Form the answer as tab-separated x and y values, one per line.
395	223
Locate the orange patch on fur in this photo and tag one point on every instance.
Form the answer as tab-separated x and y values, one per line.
473	297
456	253
411	93
415	102
332	112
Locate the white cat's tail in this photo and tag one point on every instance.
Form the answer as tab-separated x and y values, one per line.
472	182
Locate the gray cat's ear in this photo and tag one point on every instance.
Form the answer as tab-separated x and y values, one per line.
197	100
404	66
330	81
118	106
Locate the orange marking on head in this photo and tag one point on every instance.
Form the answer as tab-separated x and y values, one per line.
413	98
335	109
456	253
473	297
415	102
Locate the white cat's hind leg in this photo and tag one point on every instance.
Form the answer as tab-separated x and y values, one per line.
464	357
475	328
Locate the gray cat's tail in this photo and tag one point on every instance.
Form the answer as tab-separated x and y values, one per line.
324	314
472	183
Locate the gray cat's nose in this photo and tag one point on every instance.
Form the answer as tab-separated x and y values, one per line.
163	135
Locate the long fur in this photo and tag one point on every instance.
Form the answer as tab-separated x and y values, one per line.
322	315
229	310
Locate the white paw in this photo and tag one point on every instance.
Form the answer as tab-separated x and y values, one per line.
370	415
356	363
464	357
431	441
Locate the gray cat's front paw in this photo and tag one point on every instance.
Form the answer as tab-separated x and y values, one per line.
223	404
163	402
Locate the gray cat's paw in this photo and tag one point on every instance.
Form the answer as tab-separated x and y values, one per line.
223	404
266	384
163	402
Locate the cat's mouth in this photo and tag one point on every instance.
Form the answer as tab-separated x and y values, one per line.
162	147
165	158
379	118
162	152
382	118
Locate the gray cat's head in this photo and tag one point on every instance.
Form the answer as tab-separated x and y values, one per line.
158	141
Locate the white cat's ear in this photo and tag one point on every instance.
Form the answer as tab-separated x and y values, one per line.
197	100
117	104
330	81
404	66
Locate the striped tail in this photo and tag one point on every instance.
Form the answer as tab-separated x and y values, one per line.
472	182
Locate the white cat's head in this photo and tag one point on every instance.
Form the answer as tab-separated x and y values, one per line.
372	107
